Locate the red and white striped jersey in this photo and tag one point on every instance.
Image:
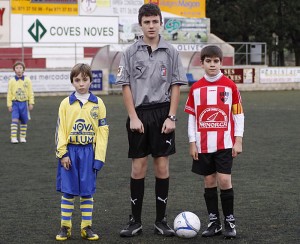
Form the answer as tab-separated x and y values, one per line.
218	114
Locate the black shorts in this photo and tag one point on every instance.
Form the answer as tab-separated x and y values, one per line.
152	141
209	163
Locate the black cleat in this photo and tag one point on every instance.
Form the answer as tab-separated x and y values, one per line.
214	228
132	228
230	231
162	228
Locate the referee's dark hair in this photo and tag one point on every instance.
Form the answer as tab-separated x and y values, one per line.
84	69
149	9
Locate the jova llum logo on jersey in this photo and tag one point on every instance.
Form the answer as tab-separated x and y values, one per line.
82	132
20	95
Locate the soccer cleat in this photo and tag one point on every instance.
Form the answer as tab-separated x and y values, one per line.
63	234
132	228
14	140
87	233
22	139
162	228
214	228
230	231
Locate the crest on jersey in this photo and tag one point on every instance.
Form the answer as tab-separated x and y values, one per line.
224	96
94	112
163	70
25	85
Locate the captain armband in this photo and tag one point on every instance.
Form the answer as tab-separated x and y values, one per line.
237	108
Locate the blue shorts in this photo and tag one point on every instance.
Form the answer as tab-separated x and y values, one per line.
80	179
20	111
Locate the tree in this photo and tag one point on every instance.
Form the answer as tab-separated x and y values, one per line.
291	12
272	21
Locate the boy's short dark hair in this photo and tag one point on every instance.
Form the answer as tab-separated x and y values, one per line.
211	51
19	63
149	9
84	69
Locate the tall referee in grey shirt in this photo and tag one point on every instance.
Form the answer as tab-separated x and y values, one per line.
150	73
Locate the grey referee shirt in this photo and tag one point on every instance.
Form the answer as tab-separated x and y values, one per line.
151	75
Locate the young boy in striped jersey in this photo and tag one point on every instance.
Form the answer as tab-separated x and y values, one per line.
20	99
81	142
215	130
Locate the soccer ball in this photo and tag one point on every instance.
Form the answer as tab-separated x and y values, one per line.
187	224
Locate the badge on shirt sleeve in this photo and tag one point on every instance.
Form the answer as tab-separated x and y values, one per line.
163	70
120	71
102	122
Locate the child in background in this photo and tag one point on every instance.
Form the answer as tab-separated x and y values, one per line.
215	130
81	139
20	99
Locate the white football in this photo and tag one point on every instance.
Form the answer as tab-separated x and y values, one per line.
187	224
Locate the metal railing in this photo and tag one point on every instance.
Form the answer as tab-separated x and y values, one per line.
250	53
65	55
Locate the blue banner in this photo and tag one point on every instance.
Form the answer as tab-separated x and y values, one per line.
97	84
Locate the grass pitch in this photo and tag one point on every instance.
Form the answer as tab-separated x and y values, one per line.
265	177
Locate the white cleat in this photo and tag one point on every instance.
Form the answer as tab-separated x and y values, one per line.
14	140
22	140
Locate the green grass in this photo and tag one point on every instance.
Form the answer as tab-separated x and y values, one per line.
265	177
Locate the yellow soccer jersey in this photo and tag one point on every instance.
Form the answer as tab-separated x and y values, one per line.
82	125
20	89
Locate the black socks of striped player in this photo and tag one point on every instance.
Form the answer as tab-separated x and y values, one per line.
227	199
137	194
211	199
161	193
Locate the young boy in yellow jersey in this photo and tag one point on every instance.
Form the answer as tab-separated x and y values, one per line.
81	142
20	99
